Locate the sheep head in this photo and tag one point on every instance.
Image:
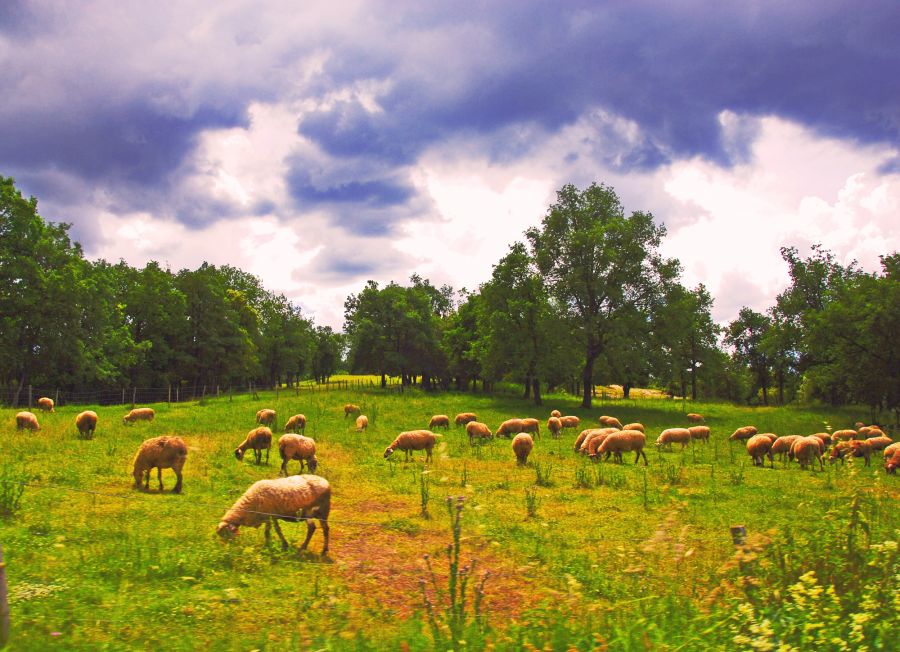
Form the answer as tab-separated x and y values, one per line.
388	452
239	454
227	531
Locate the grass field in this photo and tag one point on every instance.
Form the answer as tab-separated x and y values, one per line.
581	556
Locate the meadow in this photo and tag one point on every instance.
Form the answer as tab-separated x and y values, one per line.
579	555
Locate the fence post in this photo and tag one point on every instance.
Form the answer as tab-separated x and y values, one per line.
738	534
29	396
4	604
169	397
133	396
123	396
178	393
56	401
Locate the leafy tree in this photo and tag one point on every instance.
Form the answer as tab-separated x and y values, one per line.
326	352
746	335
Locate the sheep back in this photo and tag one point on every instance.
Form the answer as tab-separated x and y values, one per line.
86	422
465	417
284	498
140	414
634	426
27	421
478	430
439	421
45	404
745	432
295	423
522	444
510	427
699	432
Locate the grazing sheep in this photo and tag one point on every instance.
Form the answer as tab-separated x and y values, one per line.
465	417
699	432
824	437
556	413
759	447
163	453
674	436
413	440
858	425
569	422
439	421
477	430
258	440
891	464
266	417
139	414
510	427
296	423
27	421
870	432
880	443
693	417
595	434
770	435
522	445
86	422
610	422
843	435
554	425
45	404
851	448
743	433
634	426
362	422
582	436
890	450
300	448
806	450
782	446
351	409
297	498
532	426
622	441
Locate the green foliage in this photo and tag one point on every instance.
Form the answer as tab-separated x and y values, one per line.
543	474
531	501
12	488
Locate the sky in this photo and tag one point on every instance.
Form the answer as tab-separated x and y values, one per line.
321	144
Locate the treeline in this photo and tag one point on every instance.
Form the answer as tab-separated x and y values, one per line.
68	322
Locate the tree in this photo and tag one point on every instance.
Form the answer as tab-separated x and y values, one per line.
746	335
600	265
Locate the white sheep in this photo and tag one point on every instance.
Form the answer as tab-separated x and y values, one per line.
623	441
27	421
610	422
510	427
477	430
746	432
806	450
362	422
569	422
674	436
86	422
300	448
693	417
45	404
266	417
554	425
413	440
465	417
257	440
162	453
439	421
700	432
296	498
843	435
139	414
783	445
759	447
532	426
296	424
522	445
594	435
634	426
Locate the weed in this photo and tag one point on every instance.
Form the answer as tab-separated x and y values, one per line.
531	501
671	474
736	477
424	493
543	474
583	477
12	487
464	480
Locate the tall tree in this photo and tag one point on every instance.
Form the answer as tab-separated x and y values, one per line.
746	335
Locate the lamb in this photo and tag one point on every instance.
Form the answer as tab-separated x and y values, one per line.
522	445
439	421
674	436
610	422
806	450
362	422
693	417
532	426
623	441
296	423
554	425
139	414
743	433
297	447
45	404
297	498
476	429
879	443
86	422
465	417
510	427
556	413
782	446
27	421
843	435
890	465
569	422
351	409
595	437
163	452
759	447
258	440
413	440
851	448
699	432
265	417
634	426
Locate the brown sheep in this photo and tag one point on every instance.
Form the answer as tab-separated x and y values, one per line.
824	437
851	448
807	450
413	440
477	430
634	426
610	422
674	436
843	435
296	424
693	417
743	433
465	417
139	414
162	453
569	422
362	422
27	421
699	432
522	445
890	465
890	450
351	409
759	447
439	421
45	404
782	446
86	422
266	417
300	448
592	435
556	413
532	426
554	425
257	440
623	441
510	427
880	443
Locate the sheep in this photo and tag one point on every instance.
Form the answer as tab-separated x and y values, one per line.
464	418
27	421
413	440
362	422
296	423
890	465
554	425
86	422
45	404
569	422
745	432
556	413
581	437
890	450
634	426
843	435
258	440
693	417
300	448
351	409
824	437
851	448
674	436
699	432
510	427
594	434
858	425
782	446
610	422
297	498
771	435
759	447
439	421
522	445
476	429
870	432
879	443
265	417
139	414
163	452
532	426
622	441
806	450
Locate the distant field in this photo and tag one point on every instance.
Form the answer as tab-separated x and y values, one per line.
613	556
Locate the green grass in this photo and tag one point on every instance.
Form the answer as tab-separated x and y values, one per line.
580	554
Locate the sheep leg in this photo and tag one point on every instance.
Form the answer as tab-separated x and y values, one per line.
147	479
267	455
284	543
310	528
268	531
428	456
177	488
159	477
639	455
283	470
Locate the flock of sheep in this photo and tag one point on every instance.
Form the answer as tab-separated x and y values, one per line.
308	496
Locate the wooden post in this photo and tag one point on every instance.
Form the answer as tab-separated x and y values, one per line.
4	604
29	397
178	393
169	399
123	396
56	401
738	534
133	397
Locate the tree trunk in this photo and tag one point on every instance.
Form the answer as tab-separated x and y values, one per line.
693	382
626	390
536	383
765	395
587	377
383	380
527	383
